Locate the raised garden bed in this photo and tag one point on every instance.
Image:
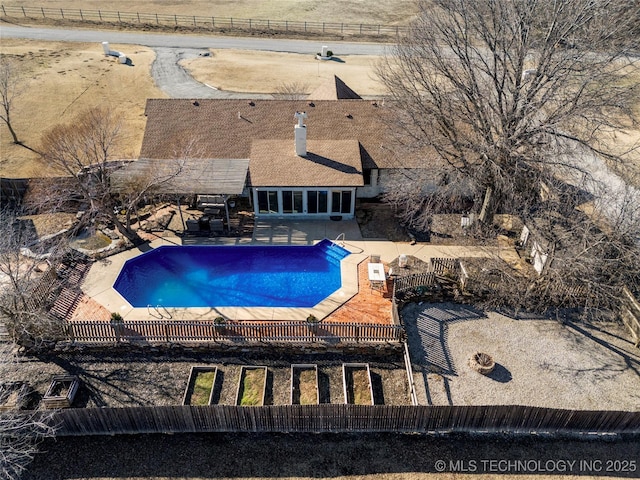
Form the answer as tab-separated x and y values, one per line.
14	395
199	391
252	386
304	384
357	383
61	392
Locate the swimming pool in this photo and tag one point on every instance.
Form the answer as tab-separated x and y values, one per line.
232	276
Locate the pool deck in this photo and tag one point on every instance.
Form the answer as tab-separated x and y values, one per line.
354	301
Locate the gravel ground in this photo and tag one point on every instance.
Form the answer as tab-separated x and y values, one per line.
539	362
128	380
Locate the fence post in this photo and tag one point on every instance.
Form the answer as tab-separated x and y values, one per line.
70	333
213	22
286	25
194	21
61	13
4	12
119	20
41	8
100	15
138	13
81	17
157	21
175	18
231	22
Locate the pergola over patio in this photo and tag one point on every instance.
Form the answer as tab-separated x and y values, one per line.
185	177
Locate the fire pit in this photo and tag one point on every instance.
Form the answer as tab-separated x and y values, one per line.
482	363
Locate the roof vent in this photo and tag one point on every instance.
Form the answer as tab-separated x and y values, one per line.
348	115
311	104
195	103
252	103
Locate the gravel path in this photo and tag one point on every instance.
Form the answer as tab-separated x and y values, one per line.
176	82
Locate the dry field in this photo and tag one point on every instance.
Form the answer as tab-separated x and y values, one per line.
265	72
396	12
62	79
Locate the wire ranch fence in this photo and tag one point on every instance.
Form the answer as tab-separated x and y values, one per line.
200	22
341	418
202	331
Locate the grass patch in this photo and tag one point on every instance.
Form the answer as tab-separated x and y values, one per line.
305	386
202	386
252	386
358	388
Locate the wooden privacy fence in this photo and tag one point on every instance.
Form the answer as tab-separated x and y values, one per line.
183	331
341	418
194	21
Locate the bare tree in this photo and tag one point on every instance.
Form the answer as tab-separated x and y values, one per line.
10	89
515	96
83	150
20	435
292	91
20	431
27	278
498	88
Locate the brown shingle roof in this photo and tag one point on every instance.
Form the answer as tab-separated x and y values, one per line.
334	89
330	163
227	128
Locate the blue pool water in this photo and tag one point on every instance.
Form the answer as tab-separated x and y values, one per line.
232	276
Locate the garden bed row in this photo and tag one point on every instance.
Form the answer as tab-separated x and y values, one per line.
304	385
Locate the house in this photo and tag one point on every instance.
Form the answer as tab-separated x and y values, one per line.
299	158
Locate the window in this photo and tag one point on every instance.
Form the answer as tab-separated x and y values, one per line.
317	201
268	201
292	201
341	201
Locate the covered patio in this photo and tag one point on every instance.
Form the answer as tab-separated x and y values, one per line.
208	184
